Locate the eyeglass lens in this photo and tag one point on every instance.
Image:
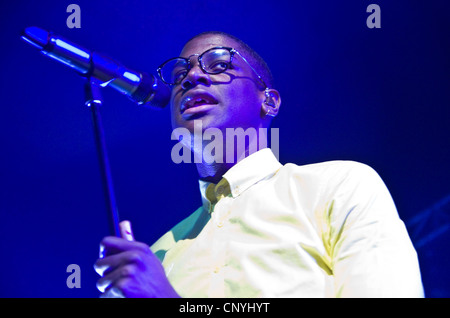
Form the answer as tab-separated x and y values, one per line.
213	61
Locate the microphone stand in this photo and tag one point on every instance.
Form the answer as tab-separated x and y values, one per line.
93	100
101	71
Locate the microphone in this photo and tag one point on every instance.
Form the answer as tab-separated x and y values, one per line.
143	88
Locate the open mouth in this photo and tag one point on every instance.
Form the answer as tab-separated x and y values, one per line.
196	100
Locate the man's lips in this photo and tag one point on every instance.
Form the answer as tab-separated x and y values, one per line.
196	99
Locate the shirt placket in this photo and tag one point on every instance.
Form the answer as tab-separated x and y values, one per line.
220	210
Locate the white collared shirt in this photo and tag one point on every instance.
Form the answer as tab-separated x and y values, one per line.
269	230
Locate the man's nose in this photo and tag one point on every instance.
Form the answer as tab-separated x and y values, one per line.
195	76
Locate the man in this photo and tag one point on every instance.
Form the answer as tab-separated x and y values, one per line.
264	229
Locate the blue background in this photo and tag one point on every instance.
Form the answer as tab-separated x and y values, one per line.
378	96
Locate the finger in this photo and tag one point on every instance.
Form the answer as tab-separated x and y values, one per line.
107	281
112	292
118	278
125	230
113	245
109	263
106	264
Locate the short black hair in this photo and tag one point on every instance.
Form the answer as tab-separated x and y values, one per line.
251	55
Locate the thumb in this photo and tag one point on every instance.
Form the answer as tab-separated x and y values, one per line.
125	230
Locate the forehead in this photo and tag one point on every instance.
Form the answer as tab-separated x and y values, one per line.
205	42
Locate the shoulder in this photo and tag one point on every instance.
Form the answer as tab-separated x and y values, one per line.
332	174
335	168
342	185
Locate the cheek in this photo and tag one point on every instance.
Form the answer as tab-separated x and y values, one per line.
244	99
173	118
174	113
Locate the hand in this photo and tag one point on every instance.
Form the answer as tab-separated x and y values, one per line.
130	269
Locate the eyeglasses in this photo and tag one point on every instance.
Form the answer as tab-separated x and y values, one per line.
213	61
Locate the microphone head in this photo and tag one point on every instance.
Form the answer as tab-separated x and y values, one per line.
143	88
36	36
152	92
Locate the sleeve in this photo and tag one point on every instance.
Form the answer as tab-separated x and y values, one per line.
370	250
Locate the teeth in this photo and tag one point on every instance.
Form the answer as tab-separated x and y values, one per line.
191	102
185	102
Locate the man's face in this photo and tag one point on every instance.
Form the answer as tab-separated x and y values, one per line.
228	100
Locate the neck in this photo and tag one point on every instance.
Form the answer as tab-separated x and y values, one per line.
213	172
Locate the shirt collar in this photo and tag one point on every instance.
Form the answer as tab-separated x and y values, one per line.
247	172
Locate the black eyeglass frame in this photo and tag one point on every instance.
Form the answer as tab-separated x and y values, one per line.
200	57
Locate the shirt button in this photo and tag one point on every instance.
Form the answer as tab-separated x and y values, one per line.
220	223
216	269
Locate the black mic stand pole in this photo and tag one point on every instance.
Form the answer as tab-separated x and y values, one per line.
93	100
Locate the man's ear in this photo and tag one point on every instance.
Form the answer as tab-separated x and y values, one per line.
271	103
